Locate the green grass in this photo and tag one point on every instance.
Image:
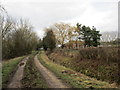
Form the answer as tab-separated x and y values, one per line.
32	77
8	68
75	79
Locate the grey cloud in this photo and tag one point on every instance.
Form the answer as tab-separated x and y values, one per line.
42	13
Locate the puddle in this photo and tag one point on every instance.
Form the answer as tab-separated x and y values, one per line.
21	64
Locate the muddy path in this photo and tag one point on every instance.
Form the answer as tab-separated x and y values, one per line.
16	80
50	78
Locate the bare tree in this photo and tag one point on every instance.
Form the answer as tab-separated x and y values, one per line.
71	35
2	9
5	21
63	32
6	26
24	38
20	40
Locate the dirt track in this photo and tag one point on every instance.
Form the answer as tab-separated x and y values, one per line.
50	78
16	80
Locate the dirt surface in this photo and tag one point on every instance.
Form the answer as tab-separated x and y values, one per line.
16	80
50	78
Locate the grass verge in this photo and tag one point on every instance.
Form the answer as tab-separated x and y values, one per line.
75	79
32	78
8	68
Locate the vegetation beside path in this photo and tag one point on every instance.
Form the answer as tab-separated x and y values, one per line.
75	79
100	63
8	69
32	78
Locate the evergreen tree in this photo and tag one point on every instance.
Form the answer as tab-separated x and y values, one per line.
39	45
95	37
49	41
90	36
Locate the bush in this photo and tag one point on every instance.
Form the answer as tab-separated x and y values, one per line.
106	54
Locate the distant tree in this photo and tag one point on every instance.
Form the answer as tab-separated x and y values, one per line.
78	28
70	35
63	32
95	35
85	33
116	41
49	41
45	43
90	36
39	45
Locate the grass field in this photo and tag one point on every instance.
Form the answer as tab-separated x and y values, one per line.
73	78
32	77
8	68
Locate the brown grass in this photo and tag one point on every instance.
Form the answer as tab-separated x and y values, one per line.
100	63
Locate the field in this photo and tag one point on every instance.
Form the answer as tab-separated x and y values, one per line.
99	63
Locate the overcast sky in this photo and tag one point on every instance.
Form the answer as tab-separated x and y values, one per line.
103	14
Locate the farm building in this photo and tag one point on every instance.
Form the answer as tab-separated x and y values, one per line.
75	44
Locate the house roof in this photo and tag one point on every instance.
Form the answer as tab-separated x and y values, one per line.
73	41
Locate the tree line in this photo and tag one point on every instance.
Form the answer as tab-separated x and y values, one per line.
17	36
60	33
